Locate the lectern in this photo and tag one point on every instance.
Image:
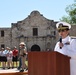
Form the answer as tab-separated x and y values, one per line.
48	63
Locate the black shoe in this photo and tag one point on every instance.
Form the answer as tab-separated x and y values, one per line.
18	68
12	67
3	68
21	70
8	67
26	69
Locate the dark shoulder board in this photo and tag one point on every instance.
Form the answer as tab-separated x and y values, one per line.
73	37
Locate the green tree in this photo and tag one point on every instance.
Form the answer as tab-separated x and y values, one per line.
71	11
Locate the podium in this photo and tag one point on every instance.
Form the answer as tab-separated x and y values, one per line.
48	63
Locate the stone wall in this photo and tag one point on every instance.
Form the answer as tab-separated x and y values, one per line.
23	31
6	39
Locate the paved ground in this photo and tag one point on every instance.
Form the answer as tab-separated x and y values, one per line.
9	70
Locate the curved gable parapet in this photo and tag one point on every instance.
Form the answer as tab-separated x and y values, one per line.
34	19
35	13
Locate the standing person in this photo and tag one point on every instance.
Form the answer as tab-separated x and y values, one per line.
3	58
15	56
9	58
0	56
22	55
66	45
19	58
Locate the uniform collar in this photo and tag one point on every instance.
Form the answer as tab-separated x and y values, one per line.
67	39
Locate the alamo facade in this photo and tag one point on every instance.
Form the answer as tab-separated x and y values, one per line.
38	32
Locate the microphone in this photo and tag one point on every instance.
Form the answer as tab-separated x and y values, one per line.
60	41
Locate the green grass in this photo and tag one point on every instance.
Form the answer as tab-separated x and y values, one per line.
26	62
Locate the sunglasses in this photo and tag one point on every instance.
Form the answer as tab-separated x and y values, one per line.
61	30
21	45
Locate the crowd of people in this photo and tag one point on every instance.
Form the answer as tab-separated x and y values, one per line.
13	58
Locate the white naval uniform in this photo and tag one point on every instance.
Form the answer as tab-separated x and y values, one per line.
68	49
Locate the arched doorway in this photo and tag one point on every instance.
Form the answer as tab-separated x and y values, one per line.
35	48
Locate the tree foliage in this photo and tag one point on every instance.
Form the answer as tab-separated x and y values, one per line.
71	11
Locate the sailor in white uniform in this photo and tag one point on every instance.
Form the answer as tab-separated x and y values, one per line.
66	45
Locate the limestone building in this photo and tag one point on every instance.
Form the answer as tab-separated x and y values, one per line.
38	32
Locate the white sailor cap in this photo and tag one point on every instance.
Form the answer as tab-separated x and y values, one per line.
63	25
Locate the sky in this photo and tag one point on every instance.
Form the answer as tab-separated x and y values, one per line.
12	11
